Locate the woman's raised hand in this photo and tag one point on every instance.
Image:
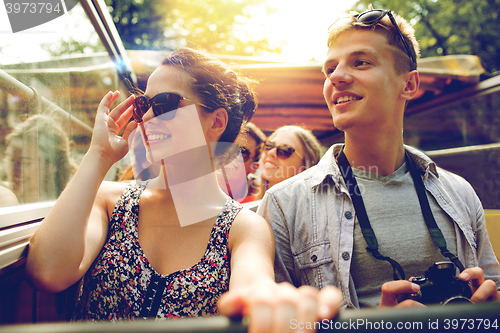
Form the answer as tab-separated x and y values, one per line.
105	139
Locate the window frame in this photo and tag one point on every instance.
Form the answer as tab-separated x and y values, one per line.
19	222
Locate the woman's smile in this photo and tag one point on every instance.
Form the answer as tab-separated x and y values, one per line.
158	137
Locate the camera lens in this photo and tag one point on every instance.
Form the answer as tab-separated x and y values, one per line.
444	265
457	300
418	279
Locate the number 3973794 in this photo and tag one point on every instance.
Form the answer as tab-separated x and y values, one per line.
32	7
470	324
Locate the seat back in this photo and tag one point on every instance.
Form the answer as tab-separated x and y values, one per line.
492	217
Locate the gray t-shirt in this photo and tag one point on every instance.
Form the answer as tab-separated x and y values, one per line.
396	218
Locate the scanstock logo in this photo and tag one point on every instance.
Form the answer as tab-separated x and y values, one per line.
28	14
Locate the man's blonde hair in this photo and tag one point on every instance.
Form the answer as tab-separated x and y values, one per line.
402	61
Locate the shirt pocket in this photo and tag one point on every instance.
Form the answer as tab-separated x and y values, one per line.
315	264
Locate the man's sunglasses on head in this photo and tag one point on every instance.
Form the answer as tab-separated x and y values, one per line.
372	17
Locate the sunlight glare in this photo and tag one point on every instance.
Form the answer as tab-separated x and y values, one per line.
301	25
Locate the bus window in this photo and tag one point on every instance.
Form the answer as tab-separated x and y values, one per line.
463	136
52	78
469	122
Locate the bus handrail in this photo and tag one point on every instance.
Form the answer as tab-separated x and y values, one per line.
13	86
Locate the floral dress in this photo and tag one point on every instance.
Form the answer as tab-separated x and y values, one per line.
122	284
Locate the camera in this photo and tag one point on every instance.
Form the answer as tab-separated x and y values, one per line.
441	286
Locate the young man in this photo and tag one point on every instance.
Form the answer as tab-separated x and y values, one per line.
370	75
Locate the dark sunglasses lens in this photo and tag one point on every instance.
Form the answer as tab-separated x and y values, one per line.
284	151
166	112
371	16
245	153
141	106
164	103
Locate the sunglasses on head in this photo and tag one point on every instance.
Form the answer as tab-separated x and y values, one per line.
165	104
282	151
372	17
245	153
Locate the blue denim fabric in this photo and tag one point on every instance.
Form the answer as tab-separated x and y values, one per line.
312	218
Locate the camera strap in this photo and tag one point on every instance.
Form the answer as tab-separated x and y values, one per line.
436	234
364	222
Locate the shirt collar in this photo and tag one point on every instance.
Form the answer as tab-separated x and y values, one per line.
328	166
422	161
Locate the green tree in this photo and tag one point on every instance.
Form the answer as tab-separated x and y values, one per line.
139	23
446	27
211	25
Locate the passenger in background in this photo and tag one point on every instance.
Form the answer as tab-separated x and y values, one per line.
251	147
239	172
251	152
141	248
287	152
38	159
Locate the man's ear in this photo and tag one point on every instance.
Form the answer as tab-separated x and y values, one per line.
411	87
219	122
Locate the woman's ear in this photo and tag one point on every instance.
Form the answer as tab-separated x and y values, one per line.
219	120
411	87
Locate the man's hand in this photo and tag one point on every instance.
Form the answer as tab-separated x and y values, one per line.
391	291
277	308
482	290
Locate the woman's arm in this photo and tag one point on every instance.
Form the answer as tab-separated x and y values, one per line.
73	232
252	292
251	243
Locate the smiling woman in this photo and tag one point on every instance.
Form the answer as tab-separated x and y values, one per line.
152	215
287	152
175	245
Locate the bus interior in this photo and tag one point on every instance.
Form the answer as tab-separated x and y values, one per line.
455	119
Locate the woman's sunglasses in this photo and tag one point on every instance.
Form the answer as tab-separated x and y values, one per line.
165	104
282	151
372	17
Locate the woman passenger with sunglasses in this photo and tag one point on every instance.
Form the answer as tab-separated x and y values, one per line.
138	246
287	152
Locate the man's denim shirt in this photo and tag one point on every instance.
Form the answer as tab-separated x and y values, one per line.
312	218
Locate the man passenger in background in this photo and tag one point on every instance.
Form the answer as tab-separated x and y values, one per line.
370	76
